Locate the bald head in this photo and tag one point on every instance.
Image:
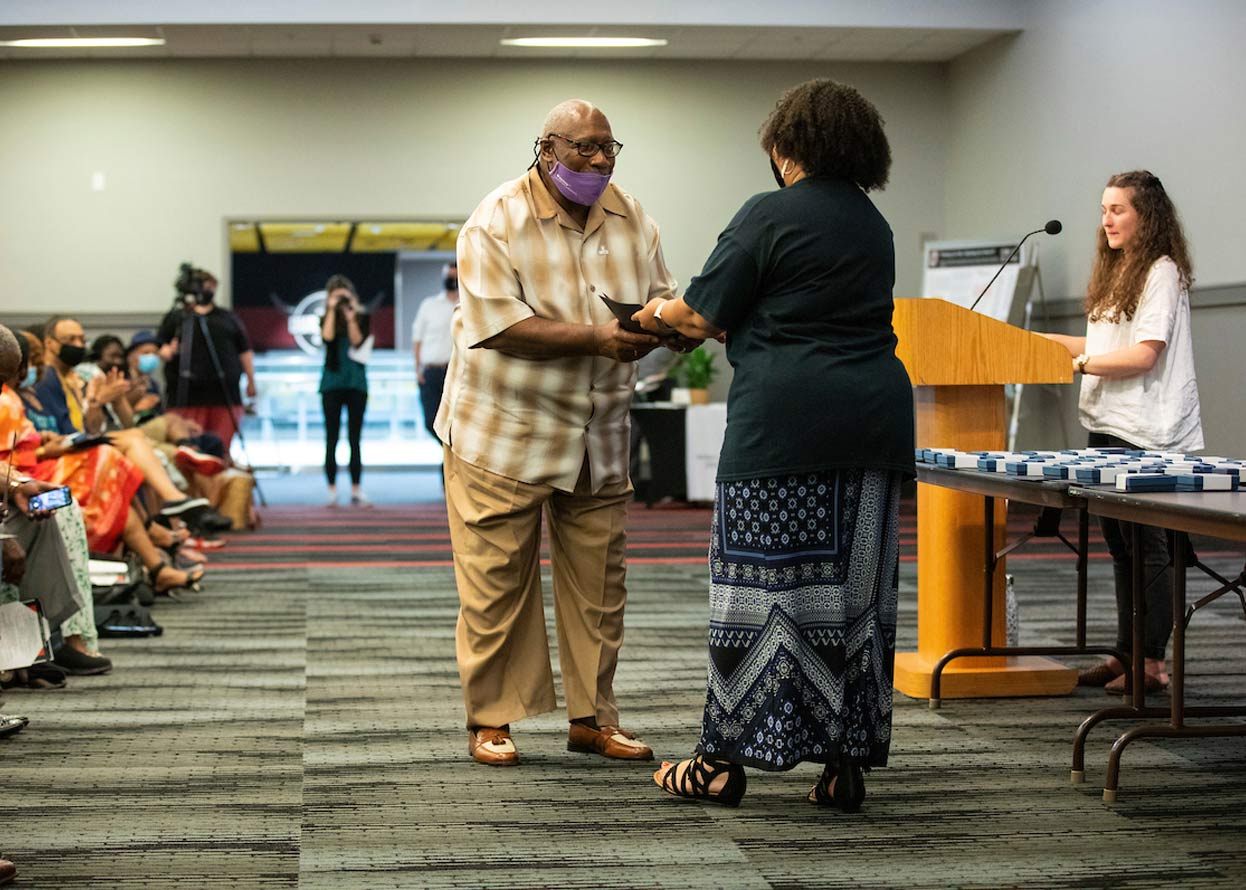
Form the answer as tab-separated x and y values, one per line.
10	355
571	115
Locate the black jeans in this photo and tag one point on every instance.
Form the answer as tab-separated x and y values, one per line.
356	402
1157	574
430	394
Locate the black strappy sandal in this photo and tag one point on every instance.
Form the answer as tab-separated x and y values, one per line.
192	582
849	791
695	781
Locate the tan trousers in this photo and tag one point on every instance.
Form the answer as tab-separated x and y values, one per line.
503	652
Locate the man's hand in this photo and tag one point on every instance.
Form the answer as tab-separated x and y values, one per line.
27	490
623	346
14	561
252	392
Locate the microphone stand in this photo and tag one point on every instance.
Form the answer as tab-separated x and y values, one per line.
1002	267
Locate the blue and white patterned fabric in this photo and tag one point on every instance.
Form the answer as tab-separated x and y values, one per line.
804	572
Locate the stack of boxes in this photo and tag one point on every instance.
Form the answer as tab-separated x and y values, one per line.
1127	470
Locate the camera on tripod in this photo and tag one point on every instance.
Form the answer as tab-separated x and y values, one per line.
192	285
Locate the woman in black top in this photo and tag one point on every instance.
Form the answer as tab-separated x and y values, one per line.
803	551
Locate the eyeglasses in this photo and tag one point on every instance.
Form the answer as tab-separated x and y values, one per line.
590	149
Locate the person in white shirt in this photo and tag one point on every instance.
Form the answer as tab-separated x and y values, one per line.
432	343
1138	385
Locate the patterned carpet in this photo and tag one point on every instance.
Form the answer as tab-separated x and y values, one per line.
299	724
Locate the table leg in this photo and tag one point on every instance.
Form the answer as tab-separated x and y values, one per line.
1083	553
1179	555
1138	583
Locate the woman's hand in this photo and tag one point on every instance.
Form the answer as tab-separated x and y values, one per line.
27	490
14	561
57	446
108	387
645	317
677	316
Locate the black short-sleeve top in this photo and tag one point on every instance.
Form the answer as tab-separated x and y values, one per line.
801	280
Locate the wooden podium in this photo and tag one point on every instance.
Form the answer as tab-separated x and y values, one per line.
959	362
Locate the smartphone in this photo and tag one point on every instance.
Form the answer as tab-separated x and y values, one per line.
51	500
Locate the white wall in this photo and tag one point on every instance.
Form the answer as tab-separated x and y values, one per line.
1040	121
186	144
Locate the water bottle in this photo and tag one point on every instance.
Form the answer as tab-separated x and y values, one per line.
1012	622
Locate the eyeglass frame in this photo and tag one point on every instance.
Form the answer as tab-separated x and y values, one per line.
596	146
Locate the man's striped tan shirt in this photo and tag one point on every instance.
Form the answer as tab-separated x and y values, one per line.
521	255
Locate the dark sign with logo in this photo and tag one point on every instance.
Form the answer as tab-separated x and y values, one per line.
280	296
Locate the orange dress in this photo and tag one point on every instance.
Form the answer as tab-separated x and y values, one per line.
101	479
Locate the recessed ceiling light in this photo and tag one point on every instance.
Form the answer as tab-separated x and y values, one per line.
585	42
72	42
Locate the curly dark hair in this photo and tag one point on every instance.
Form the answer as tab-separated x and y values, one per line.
830	130
102	342
1118	276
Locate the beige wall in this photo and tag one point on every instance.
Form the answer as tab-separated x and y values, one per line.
1040	121
186	144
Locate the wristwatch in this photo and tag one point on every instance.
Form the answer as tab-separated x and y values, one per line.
657	316
1079	363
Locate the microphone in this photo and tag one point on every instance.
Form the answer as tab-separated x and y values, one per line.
1053	227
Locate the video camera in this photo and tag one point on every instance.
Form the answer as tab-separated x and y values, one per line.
192	284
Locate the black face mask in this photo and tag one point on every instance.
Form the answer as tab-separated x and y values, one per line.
72	355
203	298
450	283
778	177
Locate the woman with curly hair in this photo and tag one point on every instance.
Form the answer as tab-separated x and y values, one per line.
1138	386
803	545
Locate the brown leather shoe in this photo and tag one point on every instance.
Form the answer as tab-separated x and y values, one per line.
8	871
492	746
608	741
1149	685
1099	675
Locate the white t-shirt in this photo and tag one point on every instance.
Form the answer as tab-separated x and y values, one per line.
431	329
1157	410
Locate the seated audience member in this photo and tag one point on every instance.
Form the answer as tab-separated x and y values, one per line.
46	560
103	482
188	468
78	407
143	358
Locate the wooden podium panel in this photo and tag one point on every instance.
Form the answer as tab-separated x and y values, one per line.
959	362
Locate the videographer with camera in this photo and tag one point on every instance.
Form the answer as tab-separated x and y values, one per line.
214	345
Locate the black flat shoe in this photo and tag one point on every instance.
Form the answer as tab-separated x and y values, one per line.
695	781
79	664
844	788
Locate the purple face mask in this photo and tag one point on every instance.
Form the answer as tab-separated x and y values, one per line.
580	188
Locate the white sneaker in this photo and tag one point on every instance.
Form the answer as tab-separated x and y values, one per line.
360	501
331	503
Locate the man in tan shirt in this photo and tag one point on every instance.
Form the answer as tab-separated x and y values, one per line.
535	417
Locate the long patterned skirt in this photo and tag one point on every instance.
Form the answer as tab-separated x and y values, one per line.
803	589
